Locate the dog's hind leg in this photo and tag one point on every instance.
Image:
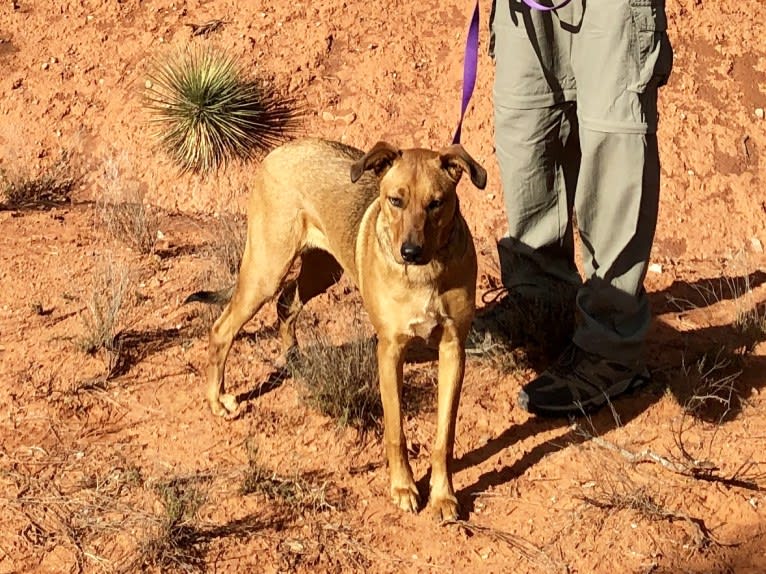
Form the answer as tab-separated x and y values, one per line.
264	267
319	271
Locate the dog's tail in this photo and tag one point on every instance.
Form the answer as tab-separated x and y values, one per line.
211	297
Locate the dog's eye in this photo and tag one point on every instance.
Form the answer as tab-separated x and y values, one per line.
435	204
396	201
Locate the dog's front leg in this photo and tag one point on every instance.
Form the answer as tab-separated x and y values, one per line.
451	369
391	370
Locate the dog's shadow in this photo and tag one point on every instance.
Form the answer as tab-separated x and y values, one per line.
669	349
275	379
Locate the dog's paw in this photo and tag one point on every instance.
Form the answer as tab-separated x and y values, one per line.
406	497
444	508
226	406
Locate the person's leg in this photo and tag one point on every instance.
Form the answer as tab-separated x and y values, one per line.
620	57
616	204
537	148
538	154
536	142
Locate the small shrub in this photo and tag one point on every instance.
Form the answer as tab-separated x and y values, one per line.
224	253
208	113
341	382
711	381
301	494
52	186
229	243
175	543
123	211
750	327
104	305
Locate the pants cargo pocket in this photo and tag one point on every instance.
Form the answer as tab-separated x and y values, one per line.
652	52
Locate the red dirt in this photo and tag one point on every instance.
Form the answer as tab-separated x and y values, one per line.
535	493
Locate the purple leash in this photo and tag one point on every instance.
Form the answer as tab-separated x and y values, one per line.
471	61
470	64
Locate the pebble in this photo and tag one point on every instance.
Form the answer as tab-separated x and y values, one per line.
347	119
756	244
45	65
759	113
148	84
655	268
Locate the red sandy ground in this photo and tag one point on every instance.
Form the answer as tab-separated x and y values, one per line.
72	76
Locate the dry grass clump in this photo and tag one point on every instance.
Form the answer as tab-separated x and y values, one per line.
174	544
60	498
230	235
224	253
341	381
52	186
301	493
104	306
123	211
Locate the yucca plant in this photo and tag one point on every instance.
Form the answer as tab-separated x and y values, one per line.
208	112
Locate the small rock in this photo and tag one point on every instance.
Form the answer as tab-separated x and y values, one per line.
160	235
756	244
347	119
54	60
759	113
655	268
690	172
45	65
148	84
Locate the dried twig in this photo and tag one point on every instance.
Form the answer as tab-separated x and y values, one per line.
523	547
208	27
693	468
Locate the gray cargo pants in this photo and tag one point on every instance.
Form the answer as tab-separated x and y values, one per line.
575	129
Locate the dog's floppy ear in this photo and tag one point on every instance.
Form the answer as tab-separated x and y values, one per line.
456	160
378	159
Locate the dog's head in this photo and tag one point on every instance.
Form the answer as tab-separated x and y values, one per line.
418	197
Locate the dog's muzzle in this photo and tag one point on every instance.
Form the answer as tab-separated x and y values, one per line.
412	253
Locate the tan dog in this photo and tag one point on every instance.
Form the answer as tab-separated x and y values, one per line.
390	219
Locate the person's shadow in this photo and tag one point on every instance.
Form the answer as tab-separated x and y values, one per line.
670	352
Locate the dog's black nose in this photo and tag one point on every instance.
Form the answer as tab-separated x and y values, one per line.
411	253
